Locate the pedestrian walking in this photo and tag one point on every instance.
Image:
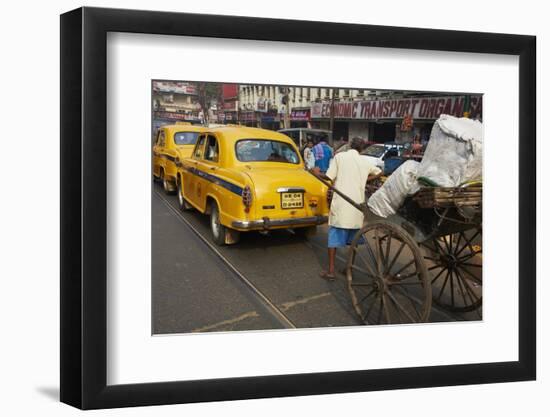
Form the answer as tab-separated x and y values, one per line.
309	157
323	154
349	173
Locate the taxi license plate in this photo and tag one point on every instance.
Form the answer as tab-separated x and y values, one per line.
292	200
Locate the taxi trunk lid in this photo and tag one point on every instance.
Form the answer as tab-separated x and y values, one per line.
284	192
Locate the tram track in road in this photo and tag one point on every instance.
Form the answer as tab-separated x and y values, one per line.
261	299
272	289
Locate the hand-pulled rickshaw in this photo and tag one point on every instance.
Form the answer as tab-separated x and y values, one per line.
429	251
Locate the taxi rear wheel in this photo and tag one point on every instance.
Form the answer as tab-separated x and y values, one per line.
166	186
182	202
219	231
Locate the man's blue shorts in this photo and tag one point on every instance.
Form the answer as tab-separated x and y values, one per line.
338	237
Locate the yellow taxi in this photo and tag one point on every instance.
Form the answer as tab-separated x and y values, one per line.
172	144
250	179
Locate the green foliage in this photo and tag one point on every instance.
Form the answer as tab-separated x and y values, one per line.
208	92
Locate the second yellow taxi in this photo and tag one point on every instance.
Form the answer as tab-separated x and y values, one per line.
172	144
249	179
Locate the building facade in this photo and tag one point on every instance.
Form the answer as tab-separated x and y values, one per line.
374	115
228	107
175	101
398	117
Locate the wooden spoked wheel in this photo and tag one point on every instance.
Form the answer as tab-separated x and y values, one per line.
455	261
387	279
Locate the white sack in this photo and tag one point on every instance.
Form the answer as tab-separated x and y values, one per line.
388	198
454	153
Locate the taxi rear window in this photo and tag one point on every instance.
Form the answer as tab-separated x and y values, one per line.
185	138
265	150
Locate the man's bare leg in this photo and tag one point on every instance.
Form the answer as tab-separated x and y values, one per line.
331	260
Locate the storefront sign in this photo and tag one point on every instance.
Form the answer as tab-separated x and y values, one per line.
173	87
417	108
299	115
175	116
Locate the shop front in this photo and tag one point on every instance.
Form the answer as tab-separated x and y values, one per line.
230	117
357	128
270	120
229	109
250	118
388	120
161	118
381	131
300	118
174	101
340	129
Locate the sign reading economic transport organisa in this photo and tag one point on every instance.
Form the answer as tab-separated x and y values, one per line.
417	107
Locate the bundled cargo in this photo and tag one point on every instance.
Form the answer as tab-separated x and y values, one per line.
390	196
454	154
453	157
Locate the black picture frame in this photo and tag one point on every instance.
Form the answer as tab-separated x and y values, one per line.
84	207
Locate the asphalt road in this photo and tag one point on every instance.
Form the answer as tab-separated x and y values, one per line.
196	288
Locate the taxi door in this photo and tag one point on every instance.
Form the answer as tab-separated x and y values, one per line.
192	186
208	167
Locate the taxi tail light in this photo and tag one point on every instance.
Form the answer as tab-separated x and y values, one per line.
247	198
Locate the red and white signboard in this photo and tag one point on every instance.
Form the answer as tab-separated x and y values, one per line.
417	108
299	115
176	116
174	87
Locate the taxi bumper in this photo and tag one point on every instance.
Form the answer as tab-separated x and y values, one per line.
267	223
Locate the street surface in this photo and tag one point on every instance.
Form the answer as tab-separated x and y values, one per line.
266	281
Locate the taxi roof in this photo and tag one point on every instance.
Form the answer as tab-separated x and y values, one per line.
235	133
185	128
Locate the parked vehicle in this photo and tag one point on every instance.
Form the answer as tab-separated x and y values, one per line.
250	179
411	150
172	144
378	153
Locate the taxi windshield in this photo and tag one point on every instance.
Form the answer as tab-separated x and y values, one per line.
259	150
185	138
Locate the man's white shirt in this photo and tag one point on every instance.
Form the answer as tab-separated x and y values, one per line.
349	171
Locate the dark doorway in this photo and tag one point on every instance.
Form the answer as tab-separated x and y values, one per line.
341	129
383	132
